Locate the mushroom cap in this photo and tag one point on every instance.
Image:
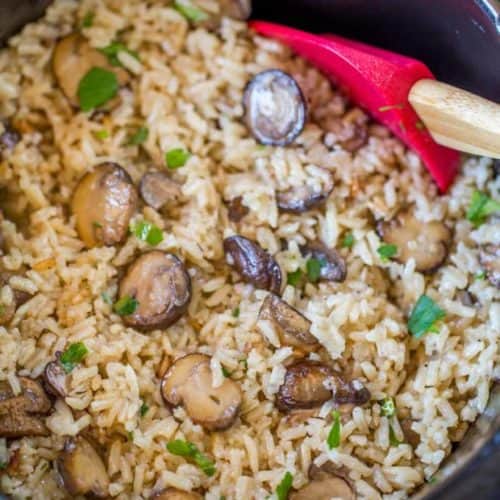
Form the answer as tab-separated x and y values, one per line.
189	382
333	266
103	203
56	379
325	489
175	494
162	287
157	189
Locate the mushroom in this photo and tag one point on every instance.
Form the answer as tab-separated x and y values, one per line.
73	58
189	382
325	488
351	131
410	435
19	297
237	9
303	198
426	242
8	138
291	326
236	210
157	189
82	469
175	494
309	384
253	263
21	415
56	378
489	257
162	287
103	203
275	109
333	267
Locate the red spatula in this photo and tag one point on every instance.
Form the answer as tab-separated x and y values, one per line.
394	88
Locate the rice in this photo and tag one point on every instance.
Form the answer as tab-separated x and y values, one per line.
187	90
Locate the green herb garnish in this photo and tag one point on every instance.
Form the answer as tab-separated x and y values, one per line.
283	488
88	19
225	371
393	440
348	240
386	252
481	205
146	231
130	435
244	362
190	450
139	137
313	267
2	309
96	88
97	224
480	275
176	158
236	312
143	409
432	480
72	356
101	134
333	439
387	407
190	12
390	107
126	305
111	52
107	299
424	316
3	465
294	278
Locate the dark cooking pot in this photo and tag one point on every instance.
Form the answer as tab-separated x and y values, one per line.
460	41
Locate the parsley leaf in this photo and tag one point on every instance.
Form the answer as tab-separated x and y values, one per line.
176	158
294	278
72	356
88	19
481	205
225	371
348	240
313	267
126	305
189	11
480	275
139	137
101	134
333	439
111	52
387	407
146	231
284	487
387	251
244	362
236	312
424	316
143	409
393	440
97	87
190	450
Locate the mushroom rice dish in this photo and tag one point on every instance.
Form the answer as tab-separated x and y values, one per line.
219	278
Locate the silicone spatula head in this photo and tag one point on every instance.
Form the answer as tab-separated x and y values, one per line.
377	80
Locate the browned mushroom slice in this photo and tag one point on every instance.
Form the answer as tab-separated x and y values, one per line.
351	130
82	469
162	287
175	494
158	189
333	267
103	203
56	379
291	326
189	382
489	257
73	58
275	109
253	263
21	415
410	435
236	210
310	383
426	242
237	9
325	489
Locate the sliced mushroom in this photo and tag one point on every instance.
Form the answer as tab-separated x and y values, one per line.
489	257
189	382
158	189
291	326
310	383
333	267
175	494
9	137
466	298
21	415
325	489
103	203
275	109
351	131
82	469
303	198
253	263
237	9
162	287
426	242
410	435
236	210
7	311
73	58
56	378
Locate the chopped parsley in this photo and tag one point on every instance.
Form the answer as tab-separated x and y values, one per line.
481	205
390	107
72	356
386	252
130	435
348	240
225	371
313	267
189	11
283	488
432	480
143	409
126	305
139	136
236	312
97	224
148	232
387	407
190	450
96	88
111	52
176	158
424	317
88	19
480	275
294	278
101	134
244	362
107	299
393	440
333	439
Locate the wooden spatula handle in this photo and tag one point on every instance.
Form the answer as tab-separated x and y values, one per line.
457	118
